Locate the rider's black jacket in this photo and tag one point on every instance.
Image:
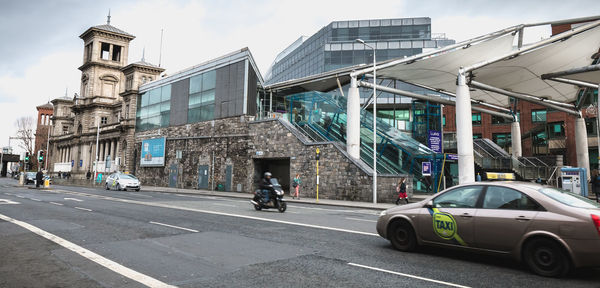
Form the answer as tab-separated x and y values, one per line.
265	183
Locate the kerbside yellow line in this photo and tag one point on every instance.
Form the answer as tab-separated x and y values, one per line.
114	266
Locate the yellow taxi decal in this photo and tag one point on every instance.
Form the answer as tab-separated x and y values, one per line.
444	225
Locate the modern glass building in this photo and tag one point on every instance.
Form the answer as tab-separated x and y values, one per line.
221	88
335	46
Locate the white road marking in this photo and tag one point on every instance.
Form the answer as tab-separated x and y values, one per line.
84	209
143	195
337	210
20	196
34	199
8	194
6	201
74	199
176	227
161	205
408	275
114	266
358	219
59	204
225	205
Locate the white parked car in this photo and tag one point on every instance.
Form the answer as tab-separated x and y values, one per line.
121	181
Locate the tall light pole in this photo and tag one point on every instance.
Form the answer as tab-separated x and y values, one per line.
374	120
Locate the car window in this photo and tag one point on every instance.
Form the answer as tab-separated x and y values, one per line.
463	197
568	198
505	198
127	176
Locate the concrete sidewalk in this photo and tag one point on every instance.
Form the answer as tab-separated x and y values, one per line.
246	195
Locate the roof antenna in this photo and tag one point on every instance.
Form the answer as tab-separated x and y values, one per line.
108	17
144	54
160	50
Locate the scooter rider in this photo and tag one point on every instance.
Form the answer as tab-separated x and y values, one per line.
266	185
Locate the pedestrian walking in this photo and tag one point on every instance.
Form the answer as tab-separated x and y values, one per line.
401	190
296	185
38	178
88	175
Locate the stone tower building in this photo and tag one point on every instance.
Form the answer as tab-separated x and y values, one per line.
104	108
44	123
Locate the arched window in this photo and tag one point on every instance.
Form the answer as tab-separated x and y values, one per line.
79	129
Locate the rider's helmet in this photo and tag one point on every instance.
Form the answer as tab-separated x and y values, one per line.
267	174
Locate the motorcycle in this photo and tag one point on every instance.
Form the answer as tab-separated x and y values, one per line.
276	200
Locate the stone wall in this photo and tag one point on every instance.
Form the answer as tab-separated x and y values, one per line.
239	142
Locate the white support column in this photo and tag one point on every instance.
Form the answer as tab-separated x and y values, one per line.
353	120
515	136
581	145
464	131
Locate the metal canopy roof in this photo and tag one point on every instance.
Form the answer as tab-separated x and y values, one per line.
493	60
587	74
523	73
439	70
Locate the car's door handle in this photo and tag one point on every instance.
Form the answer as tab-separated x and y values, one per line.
466	215
522	218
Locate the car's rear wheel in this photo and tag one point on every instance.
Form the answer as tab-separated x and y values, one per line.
118	187
547	258
402	236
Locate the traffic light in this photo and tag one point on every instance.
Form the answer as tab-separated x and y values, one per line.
41	156
26	156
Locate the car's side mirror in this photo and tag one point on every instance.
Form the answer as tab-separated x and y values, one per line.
429	204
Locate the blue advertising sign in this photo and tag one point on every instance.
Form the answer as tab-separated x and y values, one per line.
451	156
80	162
426	168
72	163
435	141
153	152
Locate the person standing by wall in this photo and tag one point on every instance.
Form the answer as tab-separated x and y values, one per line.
401	189
296	185
596	184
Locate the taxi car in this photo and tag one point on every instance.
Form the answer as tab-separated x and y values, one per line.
550	230
122	181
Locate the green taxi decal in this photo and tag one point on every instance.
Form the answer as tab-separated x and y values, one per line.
444	225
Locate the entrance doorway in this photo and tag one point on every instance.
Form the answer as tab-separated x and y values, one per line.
279	168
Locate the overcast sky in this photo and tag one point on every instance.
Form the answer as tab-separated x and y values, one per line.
40	48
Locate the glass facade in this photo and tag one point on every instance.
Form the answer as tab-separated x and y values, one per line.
153	109
335	46
201	106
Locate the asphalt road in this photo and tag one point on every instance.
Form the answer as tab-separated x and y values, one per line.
85	237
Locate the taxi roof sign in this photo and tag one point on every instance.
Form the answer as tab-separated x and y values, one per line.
499	176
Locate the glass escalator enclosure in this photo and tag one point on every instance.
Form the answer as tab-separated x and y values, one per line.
325	114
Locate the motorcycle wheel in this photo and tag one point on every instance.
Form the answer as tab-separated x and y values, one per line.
257	207
282	207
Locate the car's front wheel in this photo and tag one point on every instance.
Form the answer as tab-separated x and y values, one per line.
547	258
402	236
118	187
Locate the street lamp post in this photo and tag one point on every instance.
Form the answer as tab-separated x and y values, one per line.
374	120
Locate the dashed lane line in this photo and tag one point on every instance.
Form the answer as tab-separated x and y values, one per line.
358	219
173	226
84	209
35	199
107	263
162	205
59	204
408	275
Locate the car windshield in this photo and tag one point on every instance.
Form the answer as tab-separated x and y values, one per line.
127	176
568	198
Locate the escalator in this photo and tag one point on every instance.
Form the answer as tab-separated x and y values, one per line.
325	114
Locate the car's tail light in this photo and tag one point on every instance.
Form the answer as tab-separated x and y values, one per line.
596	220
